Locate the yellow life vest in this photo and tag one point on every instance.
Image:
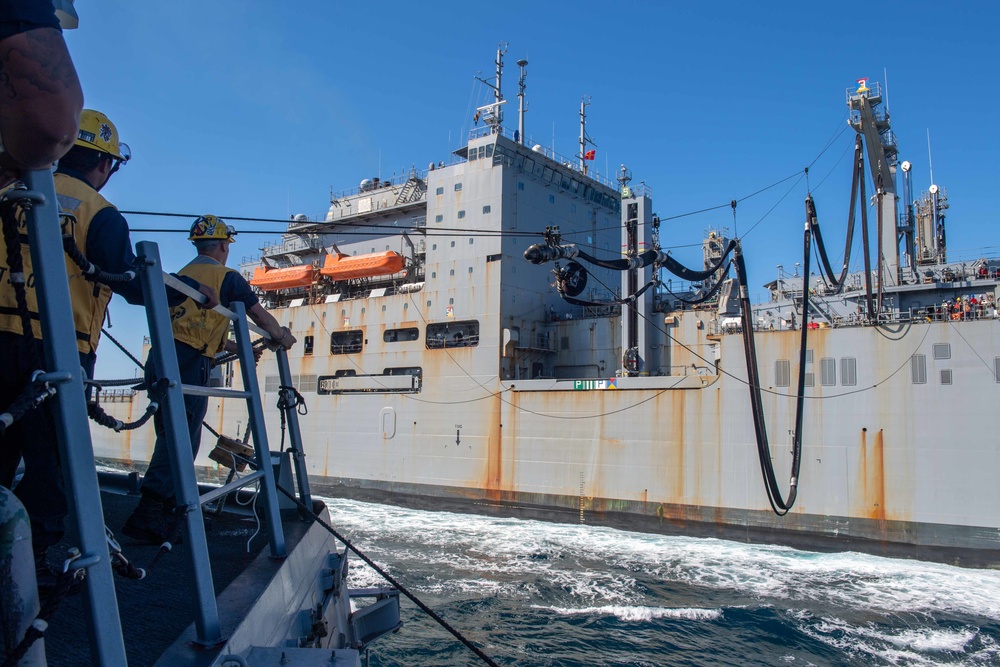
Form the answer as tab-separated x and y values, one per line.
204	330
89	299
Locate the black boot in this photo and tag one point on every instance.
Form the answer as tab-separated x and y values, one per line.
151	522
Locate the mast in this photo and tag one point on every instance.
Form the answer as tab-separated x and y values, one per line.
493	113
585	140
521	106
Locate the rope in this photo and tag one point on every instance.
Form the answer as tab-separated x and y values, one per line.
121	347
296	402
231	356
91	271
385	575
30	398
98	415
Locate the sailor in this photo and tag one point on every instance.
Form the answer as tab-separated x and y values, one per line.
40	96
102	236
199	335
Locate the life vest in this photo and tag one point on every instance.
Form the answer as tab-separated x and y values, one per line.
204	330
89	299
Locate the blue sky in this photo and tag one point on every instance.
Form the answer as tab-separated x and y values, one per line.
252	108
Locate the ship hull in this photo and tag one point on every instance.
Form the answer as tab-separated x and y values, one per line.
889	465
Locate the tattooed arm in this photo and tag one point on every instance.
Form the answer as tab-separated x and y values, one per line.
40	99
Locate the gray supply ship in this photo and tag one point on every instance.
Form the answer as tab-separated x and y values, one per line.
441	369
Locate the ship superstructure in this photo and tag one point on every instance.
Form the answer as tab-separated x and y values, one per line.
441	369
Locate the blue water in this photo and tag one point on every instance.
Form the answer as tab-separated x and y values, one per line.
535	593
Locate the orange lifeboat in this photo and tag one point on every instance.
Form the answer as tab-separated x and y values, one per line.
269	279
344	267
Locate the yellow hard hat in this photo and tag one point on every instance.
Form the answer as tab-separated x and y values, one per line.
212	228
99	133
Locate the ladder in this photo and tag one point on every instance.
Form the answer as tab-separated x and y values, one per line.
73	428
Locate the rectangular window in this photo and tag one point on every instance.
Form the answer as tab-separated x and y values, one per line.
942	350
452	334
552	199
520	185
828	371
489	150
271	383
458	187
439	217
848	371
440	190
487	209
461	214
782	372
406	380
308	345
809	356
918	369
472	154
945	376
482	151
346	342
398	335
810	379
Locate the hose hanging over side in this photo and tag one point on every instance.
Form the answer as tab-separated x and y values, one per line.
779	505
838	282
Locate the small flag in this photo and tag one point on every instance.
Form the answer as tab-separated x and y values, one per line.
863	85
590	155
475	119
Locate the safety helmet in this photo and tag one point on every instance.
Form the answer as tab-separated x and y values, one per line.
212	228
99	134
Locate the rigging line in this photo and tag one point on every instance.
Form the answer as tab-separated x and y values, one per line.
312	515
787	178
965	340
772	392
771	210
834	168
836	135
443	233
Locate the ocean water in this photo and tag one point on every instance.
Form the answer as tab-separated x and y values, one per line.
536	593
